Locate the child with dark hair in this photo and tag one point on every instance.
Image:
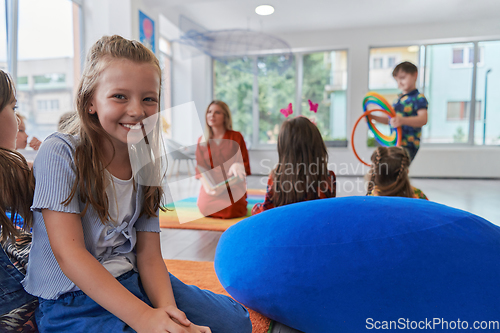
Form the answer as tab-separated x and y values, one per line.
411	108
389	174
16	195
302	172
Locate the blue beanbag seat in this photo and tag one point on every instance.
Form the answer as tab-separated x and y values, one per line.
355	264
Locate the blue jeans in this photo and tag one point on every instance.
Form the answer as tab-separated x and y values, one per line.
12	294
76	312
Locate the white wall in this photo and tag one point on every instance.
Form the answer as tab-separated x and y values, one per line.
191	82
431	161
106	18
120	17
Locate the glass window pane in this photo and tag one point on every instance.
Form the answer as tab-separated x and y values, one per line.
234	86
3	37
392	62
445	84
458	56
381	79
48	71
377	63
486	129
325	83
276	91
471	55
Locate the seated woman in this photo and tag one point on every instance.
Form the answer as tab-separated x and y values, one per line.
222	157
389	174
16	195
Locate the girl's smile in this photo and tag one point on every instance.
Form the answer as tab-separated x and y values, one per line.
127	94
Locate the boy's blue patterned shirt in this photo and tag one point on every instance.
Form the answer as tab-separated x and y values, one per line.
407	105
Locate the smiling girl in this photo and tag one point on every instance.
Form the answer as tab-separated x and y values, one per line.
96	263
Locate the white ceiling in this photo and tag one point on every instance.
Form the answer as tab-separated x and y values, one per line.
310	15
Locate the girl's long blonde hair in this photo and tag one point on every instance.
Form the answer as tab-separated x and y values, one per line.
91	181
16	179
389	172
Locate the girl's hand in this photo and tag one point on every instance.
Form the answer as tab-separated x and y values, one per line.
195	328
200	329
168	319
237	169
177	315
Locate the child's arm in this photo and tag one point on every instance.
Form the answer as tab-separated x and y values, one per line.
268	200
67	242
381	119
153	271
155	278
415	121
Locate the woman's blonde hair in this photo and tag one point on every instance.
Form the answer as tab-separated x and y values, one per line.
91	181
228	121
389	172
16	179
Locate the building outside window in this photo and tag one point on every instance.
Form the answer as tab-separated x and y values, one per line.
48	61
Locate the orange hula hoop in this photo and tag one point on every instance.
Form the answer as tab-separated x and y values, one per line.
365	114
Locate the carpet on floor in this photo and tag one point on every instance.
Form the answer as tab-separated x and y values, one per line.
188	209
202	274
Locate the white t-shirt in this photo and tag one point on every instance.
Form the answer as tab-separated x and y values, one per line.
121	197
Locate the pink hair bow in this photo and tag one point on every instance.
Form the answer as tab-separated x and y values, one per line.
288	111
313	106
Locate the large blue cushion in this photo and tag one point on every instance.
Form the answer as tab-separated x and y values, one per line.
354	264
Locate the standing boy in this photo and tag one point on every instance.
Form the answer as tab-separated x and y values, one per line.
410	107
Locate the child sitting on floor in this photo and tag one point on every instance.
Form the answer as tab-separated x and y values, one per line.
16	194
389	174
302	172
96	261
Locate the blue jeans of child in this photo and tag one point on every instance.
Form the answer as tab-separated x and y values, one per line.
76	312
12	294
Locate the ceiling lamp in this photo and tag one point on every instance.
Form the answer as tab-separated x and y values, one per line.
264	10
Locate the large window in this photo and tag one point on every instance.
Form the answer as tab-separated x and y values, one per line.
256	89
48	64
446	85
446	76
276	91
234	86
325	83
